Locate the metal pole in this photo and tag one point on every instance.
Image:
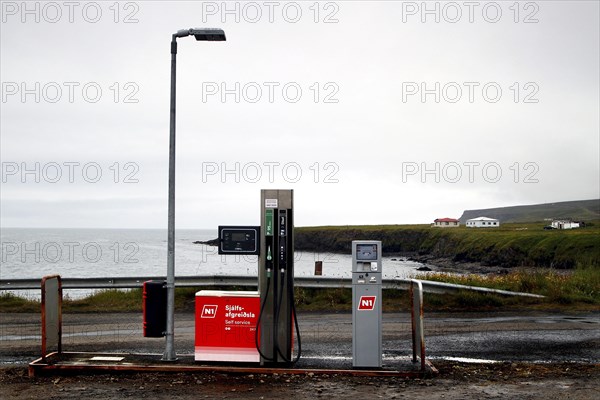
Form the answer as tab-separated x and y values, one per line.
413	321
169	354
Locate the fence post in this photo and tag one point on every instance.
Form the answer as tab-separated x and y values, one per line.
51	314
416	312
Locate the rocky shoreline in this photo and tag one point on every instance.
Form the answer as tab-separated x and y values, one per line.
441	264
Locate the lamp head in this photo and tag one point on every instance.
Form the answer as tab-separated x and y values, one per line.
209	34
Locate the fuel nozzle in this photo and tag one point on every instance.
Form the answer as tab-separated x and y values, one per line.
269	261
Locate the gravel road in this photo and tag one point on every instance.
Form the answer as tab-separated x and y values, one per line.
479	355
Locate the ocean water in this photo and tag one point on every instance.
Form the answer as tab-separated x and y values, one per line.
34	253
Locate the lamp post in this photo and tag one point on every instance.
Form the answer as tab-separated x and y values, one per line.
199	34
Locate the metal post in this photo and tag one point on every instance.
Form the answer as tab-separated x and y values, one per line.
411	294
169	354
199	34
51	314
418	334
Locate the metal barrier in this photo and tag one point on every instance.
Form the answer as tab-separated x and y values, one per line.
221	280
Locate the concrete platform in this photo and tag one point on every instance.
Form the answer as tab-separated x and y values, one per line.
70	362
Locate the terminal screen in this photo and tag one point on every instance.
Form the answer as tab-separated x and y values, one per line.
239	240
366	252
238	236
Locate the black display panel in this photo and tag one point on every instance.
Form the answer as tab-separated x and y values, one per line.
239	240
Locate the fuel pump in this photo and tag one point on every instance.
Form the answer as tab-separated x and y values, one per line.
277	319
224	319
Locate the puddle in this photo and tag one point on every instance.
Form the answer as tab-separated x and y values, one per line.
466	360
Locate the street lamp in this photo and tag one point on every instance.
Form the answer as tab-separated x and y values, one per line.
199	34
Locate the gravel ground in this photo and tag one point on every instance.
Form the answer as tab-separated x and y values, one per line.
537	355
455	381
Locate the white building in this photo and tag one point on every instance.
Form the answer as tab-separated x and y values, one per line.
483	222
561	224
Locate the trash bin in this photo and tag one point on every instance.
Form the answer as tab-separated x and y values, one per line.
154	308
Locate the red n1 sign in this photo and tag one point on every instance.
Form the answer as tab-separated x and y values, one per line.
208	311
367	302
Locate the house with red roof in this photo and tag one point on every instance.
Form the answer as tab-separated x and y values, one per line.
446	223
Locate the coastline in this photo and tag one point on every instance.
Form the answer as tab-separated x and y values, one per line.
445	264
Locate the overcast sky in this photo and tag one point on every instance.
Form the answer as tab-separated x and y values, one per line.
373	112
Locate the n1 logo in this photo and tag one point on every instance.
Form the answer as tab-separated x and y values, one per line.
209	311
367	302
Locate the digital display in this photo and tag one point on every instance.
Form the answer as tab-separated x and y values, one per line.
366	252
238	236
239	240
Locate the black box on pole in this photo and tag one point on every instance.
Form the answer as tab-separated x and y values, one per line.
154	308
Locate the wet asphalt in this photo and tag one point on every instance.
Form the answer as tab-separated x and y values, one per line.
326	338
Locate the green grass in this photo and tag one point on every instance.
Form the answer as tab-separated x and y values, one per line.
311	299
581	286
9	303
115	300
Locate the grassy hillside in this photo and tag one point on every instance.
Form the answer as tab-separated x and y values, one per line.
511	245
583	210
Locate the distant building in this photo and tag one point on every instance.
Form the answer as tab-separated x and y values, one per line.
565	224
483	222
446	223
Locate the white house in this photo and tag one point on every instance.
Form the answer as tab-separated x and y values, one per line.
483	222
562	224
446	223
